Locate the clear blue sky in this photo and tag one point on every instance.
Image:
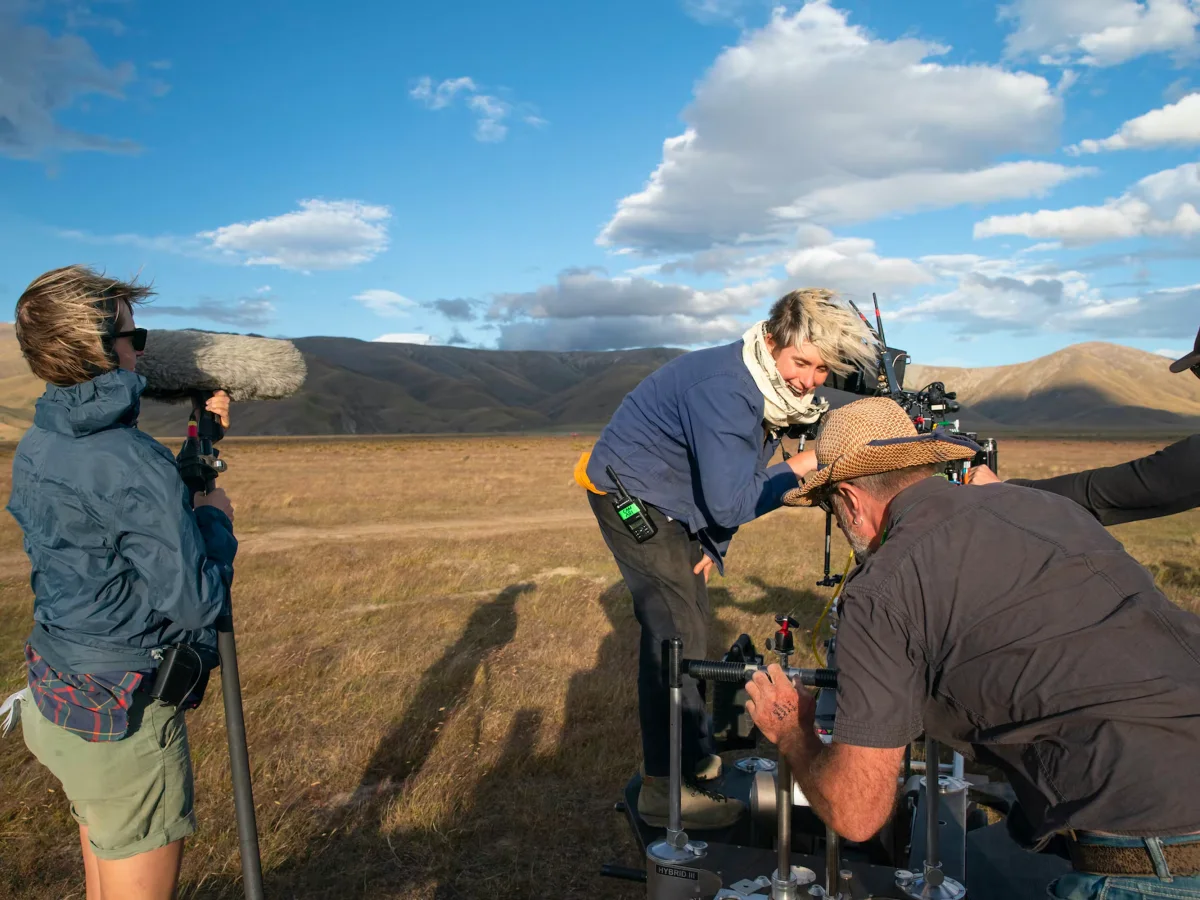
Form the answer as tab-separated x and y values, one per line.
1009	178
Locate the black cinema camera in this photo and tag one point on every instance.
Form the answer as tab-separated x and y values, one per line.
929	408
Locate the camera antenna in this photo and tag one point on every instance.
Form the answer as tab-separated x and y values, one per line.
861	316
878	320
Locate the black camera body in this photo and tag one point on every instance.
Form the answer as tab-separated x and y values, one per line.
929	408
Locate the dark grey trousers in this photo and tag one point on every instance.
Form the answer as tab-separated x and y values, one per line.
669	600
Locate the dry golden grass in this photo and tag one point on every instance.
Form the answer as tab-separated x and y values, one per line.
438	663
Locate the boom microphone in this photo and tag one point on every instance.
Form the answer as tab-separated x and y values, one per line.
187	365
178	365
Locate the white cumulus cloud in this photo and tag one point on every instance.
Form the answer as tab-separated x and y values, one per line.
1177	124
811	117
322	234
992	296
1161	204
859	201
850	266
385	303
1100	32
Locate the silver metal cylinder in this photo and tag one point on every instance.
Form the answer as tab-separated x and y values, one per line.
959	768
783	810
933	806
675	814
833	860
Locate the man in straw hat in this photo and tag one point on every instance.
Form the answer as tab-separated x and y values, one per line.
1161	484
1009	624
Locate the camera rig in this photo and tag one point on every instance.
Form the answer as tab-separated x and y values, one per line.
929	409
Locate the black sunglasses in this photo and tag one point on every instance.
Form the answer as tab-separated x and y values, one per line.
137	334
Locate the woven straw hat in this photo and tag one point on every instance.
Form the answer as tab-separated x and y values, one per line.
870	436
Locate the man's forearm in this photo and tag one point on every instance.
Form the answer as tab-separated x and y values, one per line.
851	789
809	759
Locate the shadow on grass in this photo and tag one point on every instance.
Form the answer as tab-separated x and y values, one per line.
539	822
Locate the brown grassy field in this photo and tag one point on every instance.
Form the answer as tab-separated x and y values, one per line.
438	662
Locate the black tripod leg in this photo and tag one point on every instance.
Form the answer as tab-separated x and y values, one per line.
239	762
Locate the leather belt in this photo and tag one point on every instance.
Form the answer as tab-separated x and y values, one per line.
1099	859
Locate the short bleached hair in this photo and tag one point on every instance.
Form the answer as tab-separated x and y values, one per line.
819	317
65	321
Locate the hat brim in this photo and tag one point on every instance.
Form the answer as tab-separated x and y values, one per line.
884	456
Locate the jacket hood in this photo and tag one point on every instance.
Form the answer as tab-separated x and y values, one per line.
106	401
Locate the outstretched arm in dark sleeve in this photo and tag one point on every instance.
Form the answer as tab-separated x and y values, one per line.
1161	484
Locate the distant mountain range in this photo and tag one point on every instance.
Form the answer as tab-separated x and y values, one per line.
359	387
1091	387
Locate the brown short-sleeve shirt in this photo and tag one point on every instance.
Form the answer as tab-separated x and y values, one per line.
1008	623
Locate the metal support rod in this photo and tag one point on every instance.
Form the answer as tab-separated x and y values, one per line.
783	809
959	767
933	798
675	683
239	761
828	534
833	860
918	766
734	673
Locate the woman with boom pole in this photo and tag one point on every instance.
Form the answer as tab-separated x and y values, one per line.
128	582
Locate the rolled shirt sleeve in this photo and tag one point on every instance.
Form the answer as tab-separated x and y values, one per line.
881	674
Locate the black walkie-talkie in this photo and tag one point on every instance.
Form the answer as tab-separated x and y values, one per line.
631	511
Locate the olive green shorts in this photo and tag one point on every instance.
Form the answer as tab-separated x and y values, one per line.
134	795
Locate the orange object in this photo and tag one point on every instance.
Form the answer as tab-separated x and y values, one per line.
581	476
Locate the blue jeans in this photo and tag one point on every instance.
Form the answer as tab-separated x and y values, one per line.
1078	886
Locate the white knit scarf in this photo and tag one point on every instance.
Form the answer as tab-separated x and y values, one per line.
784	406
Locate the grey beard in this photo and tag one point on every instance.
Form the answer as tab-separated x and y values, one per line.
858	543
862	551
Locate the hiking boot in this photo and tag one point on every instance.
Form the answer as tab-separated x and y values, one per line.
702	810
708	769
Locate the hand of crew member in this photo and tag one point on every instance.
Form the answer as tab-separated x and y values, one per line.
779	710
981	475
704	567
217	499
804	462
218	405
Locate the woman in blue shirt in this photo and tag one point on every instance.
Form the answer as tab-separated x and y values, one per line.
693	442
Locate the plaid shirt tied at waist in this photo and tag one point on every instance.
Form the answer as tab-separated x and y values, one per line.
95	707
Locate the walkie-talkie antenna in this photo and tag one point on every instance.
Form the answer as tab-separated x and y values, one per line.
878	320
622	494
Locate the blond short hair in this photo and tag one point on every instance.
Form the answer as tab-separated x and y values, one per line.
63	319
818	316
